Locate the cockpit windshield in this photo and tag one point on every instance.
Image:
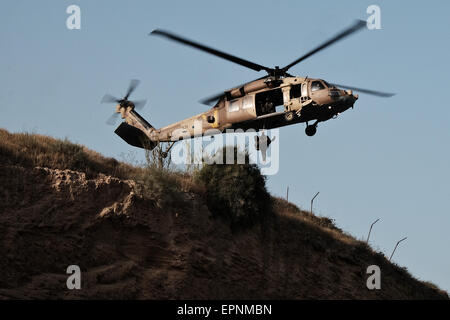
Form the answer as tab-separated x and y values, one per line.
317	85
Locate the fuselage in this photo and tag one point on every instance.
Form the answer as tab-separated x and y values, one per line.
258	105
264	105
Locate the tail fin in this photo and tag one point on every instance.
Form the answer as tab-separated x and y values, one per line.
134	131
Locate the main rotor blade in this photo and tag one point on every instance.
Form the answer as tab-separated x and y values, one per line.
112	119
133	84
139	104
223	55
366	91
107	98
358	25
212	99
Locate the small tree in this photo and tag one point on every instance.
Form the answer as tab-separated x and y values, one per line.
158	157
160	181
236	192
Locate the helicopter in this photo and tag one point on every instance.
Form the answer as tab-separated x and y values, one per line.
274	100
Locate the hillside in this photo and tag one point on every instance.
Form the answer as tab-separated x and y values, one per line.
61	204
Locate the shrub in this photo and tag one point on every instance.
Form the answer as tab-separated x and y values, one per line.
236	192
161	185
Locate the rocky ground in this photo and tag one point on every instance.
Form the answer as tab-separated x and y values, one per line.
129	247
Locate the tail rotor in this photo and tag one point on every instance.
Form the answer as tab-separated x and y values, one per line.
123	103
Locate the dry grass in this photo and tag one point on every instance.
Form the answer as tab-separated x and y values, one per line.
434	287
290	211
34	150
286	208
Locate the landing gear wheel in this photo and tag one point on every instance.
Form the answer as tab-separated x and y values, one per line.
289	116
310	130
164	154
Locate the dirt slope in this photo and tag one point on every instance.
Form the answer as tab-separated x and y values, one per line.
129	248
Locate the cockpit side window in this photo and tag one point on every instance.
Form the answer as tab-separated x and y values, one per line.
327	84
317	85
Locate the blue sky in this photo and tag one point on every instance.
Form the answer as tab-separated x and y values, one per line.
386	158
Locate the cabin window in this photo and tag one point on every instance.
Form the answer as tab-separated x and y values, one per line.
317	85
234	105
295	91
248	102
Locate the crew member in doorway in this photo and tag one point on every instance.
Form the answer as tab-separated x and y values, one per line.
269	107
262	143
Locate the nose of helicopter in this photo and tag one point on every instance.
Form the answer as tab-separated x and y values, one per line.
346	100
351	96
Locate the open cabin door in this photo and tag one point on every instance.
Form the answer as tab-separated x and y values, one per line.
267	101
